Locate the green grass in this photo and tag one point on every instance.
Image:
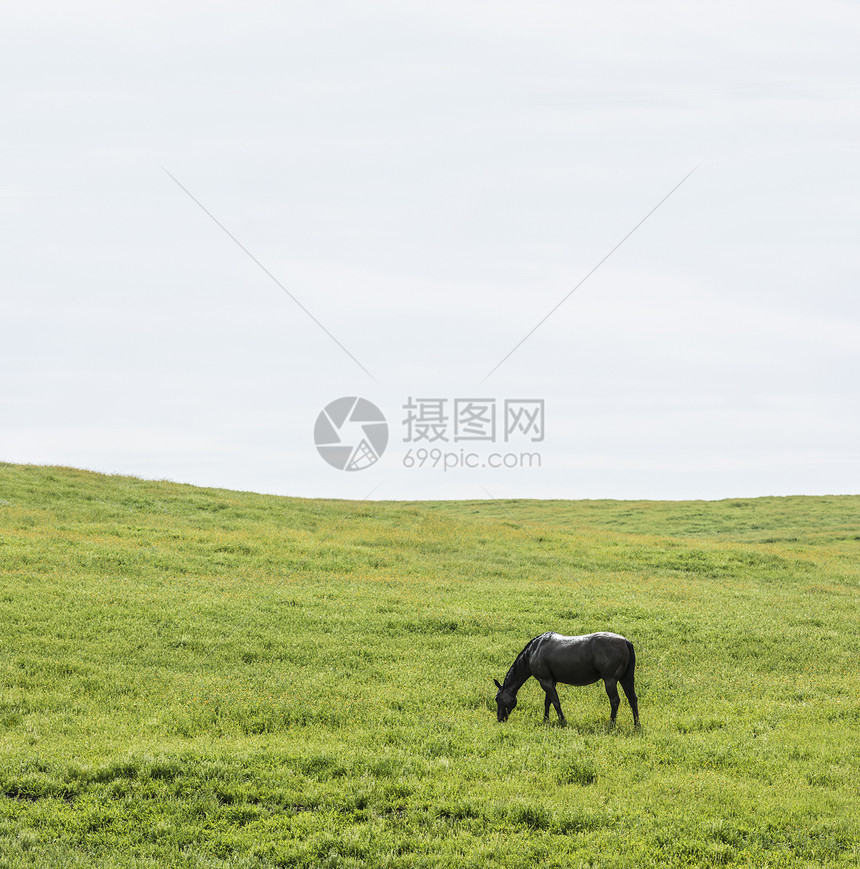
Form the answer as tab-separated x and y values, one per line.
208	678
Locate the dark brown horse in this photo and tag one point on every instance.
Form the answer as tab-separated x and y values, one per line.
553	658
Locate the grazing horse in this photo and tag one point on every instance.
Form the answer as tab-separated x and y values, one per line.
553	658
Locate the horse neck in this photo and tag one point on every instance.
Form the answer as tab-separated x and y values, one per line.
518	674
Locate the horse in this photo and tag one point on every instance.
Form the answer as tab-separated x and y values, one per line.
583	660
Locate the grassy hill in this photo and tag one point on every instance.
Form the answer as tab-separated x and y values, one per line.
203	678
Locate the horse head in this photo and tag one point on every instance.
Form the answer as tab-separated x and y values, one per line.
506	700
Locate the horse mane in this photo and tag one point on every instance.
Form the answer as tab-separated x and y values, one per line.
519	663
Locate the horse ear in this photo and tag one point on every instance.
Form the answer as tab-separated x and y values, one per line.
497	684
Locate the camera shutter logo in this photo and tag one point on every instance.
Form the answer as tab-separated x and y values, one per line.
351	433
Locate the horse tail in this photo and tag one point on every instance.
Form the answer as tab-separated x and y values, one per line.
627	684
631	664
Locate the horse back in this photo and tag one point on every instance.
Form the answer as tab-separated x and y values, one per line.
580	660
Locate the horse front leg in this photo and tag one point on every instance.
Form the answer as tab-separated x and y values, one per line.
552	697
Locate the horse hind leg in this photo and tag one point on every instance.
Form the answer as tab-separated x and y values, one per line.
630	691
614	699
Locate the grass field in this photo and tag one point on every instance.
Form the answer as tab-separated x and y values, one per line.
208	678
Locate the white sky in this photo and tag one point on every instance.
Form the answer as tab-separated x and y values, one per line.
429	180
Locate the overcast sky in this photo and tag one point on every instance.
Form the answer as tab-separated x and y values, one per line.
219	218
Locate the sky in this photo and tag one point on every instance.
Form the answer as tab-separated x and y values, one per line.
545	249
